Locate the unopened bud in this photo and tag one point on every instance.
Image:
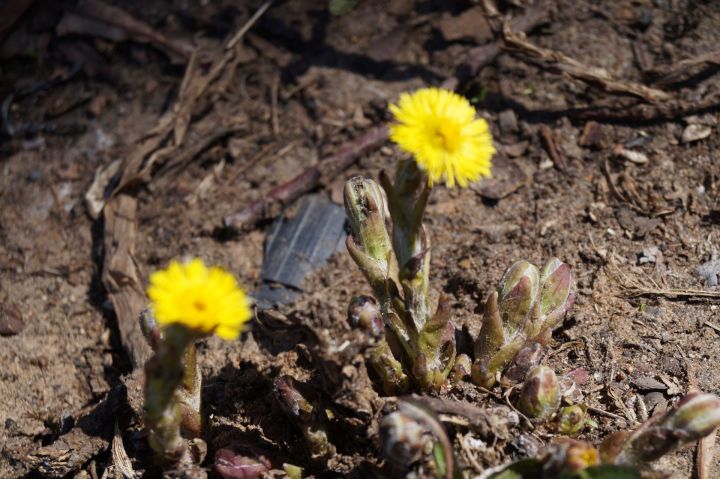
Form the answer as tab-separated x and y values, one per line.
367	212
571	420
540	394
292	402
556	295
569	456
517	294
364	313
462	368
526	359
404	440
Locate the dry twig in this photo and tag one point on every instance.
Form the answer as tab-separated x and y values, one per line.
683	69
140	31
517	43
634	291
309	179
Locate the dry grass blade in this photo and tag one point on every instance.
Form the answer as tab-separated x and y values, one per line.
120	459
705	456
241	33
634	291
516	42
167	138
633	288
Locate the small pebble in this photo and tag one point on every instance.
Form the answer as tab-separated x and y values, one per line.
695	133
508	122
11	320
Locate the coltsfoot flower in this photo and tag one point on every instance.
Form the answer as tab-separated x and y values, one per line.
439	128
205	300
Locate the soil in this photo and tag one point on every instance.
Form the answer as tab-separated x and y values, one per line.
634	228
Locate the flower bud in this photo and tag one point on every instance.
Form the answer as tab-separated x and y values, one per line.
364	313
571	420
540	394
404	440
694	417
569	456
291	401
367	212
526	359
556	295
462	368
697	415
518	291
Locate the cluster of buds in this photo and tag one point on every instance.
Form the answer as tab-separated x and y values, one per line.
542	393
311	420
392	248
519	319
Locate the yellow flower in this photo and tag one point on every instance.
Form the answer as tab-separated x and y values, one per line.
440	129
205	300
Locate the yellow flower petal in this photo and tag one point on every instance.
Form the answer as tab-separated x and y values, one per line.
204	300
439	128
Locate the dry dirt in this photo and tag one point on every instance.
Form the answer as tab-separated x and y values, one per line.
624	226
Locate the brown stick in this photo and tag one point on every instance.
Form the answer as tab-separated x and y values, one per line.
115	16
483	55
683	69
557	158
639	112
517	42
269	205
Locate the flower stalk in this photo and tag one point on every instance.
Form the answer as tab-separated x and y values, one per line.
164	373
189	301
391	246
187	392
418	344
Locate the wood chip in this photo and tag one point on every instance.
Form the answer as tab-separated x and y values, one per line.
121	276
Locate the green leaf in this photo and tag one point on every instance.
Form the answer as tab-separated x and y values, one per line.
341	7
439	456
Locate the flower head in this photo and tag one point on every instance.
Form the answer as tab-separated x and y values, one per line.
205	300
440	129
